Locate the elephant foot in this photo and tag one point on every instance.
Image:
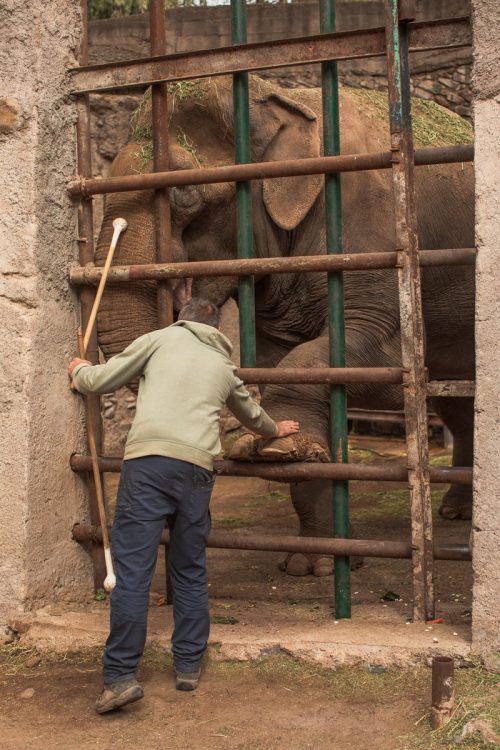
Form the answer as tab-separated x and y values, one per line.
299	447
242	448
323	566
457	504
298	564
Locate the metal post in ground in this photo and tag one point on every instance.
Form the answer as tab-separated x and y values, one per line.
411	319
338	404
443	691
160	162
160	120
87	294
246	296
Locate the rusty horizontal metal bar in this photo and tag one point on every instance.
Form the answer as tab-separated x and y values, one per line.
265	169
302	472
453	388
344	45
396	417
269	375
91	274
317	545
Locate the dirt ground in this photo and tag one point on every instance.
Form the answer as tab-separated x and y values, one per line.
278	702
46	703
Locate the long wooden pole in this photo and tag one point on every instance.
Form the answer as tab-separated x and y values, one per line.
83	340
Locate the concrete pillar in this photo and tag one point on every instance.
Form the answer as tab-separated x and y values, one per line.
486	519
41	421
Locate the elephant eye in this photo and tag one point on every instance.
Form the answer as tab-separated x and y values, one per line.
185	197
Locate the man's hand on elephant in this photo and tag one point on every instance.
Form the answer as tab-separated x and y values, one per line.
75	362
287	427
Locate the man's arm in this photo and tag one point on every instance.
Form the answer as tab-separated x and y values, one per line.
117	371
253	416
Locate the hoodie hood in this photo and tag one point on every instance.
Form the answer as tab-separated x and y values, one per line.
208	335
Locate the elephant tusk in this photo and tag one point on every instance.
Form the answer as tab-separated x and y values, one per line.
182	292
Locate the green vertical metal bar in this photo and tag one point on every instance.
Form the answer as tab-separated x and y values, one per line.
338	405
246	293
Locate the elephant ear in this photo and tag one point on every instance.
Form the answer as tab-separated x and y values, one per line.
288	199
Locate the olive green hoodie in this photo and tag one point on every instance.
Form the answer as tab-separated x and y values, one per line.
186	377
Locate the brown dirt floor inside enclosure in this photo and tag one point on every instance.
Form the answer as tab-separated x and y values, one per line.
277	702
242	582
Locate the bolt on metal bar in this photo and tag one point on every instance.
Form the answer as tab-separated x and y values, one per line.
346	45
303	472
241	107
160	121
266	169
336	329
91	274
318	545
86	255
411	319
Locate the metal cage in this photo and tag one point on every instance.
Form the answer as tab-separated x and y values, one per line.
400	36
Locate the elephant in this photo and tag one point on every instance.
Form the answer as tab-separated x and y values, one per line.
289	220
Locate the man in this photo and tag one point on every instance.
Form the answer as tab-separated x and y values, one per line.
186	377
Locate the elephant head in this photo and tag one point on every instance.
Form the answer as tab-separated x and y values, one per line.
203	217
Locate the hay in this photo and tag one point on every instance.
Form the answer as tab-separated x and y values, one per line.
433	125
188	145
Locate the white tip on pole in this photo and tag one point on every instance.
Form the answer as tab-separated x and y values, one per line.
110	580
119	226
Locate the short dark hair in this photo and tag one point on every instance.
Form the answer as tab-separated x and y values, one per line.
200	310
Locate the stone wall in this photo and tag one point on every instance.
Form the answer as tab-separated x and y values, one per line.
41	420
486	517
441	76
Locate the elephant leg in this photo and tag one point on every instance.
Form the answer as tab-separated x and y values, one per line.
313	504
458	416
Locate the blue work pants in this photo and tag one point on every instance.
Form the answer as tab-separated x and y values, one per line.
153	489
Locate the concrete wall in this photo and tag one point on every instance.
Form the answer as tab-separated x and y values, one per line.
40	498
486	520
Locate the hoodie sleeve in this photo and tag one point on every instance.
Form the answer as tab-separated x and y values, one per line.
117	371
249	412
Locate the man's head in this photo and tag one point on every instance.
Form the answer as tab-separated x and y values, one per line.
200	310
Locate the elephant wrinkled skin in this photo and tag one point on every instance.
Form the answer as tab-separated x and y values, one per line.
291	309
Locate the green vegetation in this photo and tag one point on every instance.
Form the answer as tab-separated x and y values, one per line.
144	154
99	9
223	620
112	8
360	455
386	505
188	145
233	522
142	131
477	696
432	125
444	460
476	691
181	90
